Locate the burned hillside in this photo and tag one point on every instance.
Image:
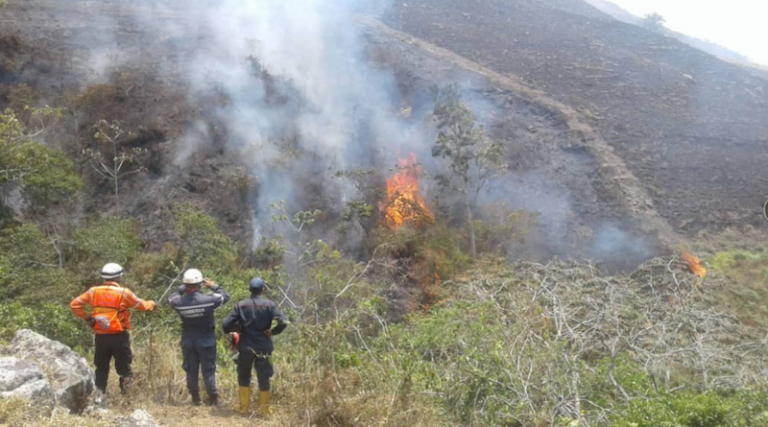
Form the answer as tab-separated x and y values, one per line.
689	126
112	64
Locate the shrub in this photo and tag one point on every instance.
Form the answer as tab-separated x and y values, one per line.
30	269
103	240
501	227
95	99
21	100
741	409
44	175
54	321
54	179
202	244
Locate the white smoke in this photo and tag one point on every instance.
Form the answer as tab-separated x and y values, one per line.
332	102
302	100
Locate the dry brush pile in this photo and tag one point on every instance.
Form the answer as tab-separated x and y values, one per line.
562	344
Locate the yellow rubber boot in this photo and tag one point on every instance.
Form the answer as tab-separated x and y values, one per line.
264	408
245	400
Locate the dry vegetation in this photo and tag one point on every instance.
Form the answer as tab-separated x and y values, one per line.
425	322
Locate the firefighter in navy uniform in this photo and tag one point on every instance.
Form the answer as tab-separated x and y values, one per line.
198	328
110	319
253	318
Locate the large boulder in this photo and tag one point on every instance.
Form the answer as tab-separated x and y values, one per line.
69	374
23	380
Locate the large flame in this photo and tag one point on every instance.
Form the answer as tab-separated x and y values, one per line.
404	203
694	265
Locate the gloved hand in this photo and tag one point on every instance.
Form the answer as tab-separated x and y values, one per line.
268	333
153	305
234	340
90	321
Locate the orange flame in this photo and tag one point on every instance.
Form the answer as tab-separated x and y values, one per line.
694	265
404	202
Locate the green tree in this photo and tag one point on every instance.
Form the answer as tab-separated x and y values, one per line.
473	158
21	100
43	175
296	244
361	210
102	240
114	137
202	244
653	22
31	268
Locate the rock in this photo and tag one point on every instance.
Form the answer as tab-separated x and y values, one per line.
139	418
69	374
98	413
21	379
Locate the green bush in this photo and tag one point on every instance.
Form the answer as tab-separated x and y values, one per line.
55	179
202	244
44	175
711	409
103	240
724	262
30	269
54	321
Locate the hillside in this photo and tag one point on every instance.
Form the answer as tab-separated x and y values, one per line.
714	49
692	149
690	127
474	213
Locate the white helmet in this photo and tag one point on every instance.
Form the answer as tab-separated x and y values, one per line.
193	277
111	271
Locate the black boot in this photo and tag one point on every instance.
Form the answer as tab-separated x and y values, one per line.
196	399
213	400
125	384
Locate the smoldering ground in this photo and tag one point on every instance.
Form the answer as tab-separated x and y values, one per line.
290	88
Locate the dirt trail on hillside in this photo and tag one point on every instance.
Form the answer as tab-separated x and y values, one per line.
625	188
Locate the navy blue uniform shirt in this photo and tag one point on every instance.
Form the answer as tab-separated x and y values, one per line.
196	311
254	316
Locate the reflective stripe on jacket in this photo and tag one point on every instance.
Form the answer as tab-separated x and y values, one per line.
197	311
110	304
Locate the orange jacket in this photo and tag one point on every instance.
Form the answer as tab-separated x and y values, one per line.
110	304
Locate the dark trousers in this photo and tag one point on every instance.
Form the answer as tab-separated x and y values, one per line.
117	346
250	359
200	353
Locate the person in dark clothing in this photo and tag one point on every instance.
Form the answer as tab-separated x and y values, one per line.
253	319
198	327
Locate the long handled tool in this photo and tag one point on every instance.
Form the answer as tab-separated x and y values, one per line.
168	289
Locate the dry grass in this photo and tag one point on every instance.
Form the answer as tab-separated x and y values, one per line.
306	391
20	413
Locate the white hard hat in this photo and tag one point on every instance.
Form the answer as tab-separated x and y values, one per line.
111	271
193	277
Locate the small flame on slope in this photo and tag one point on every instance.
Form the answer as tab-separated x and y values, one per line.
404	203
694	264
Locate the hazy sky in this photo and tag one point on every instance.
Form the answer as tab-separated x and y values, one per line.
740	25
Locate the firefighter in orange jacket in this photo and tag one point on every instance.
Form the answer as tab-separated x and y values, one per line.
110	319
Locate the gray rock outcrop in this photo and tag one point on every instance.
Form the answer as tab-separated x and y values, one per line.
23	380
69	374
139	418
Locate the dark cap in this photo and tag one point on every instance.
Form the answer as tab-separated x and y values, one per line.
257	285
